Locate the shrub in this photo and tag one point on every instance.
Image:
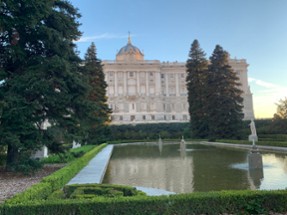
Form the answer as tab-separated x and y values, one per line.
224	202
56	180
69	156
27	165
99	190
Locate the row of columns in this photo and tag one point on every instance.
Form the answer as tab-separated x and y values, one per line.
157	81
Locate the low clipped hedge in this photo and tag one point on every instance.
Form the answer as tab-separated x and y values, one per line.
99	190
56	180
230	202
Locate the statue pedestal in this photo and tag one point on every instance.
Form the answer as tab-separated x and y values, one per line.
255	159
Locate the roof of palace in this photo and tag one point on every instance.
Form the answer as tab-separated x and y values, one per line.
130	49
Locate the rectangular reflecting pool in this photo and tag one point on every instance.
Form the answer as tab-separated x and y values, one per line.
195	167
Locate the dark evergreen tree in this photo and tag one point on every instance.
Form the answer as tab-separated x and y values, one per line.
197	66
39	76
224	96
99	113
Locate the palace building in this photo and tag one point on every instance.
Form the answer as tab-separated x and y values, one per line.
150	91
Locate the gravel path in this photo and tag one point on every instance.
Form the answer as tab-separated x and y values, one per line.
13	183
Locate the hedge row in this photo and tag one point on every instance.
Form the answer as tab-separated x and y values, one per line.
100	189
231	202
54	181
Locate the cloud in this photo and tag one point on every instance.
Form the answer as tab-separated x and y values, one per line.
268	87
103	36
265	97
263	83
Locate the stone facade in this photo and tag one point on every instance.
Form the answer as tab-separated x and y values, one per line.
150	91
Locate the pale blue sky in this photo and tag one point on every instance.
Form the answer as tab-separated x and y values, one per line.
252	29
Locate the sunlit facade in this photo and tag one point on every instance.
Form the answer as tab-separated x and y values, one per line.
150	91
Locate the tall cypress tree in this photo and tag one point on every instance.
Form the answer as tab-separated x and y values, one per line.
39	74
197	66
99	114
224	96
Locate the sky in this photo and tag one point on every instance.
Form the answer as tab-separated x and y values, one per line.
255	30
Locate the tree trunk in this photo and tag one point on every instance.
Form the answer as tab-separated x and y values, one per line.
12	157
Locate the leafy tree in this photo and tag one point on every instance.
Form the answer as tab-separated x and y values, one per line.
99	112
197	66
39	76
279	121
281	109
224	96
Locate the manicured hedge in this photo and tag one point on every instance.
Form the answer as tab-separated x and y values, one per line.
96	190
56	180
230	202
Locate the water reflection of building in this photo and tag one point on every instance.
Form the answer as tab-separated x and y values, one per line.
173	174
142	91
168	174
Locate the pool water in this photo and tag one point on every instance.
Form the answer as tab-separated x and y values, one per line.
195	167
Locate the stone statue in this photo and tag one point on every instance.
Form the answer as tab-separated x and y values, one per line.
253	136
253	128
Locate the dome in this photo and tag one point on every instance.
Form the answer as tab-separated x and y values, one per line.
129	53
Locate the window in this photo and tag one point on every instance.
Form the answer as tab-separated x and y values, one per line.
121	118
144	117
173	117
131	74
152	117
133	117
162	75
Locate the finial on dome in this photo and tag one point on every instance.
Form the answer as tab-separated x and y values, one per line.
129	38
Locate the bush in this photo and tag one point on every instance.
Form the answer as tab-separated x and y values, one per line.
64	175
228	202
56	180
99	190
69	156
37	191
147	132
27	165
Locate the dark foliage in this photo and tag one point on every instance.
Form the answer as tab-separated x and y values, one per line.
224	97
97	115
39	76
196	82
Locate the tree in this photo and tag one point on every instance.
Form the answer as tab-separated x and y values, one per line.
279	121
224	96
197	66
281	109
39	74
99	113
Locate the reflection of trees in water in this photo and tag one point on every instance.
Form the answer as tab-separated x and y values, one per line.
285	164
213	172
280	159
